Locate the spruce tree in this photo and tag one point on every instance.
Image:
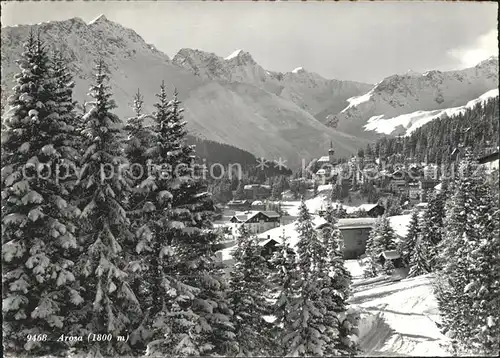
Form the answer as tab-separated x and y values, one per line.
281	279
139	137
140	213
408	245
431	230
193	317
419	262
381	238
110	305
66	106
39	247
247	297
311	329
467	288
337	286
240	192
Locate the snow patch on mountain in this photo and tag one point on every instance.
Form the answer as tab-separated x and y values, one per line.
356	101
298	70
407	123
100	18
233	55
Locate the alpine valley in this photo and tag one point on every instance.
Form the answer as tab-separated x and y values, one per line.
233	100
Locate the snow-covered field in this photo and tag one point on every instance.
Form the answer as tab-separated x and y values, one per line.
314	204
397	318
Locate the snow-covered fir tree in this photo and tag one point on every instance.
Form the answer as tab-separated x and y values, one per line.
468	284
334	245
139	138
194	317
247	296
39	247
312	328
138	206
407	246
337	286
431	229
419	259
150	201
384	238
110	305
381	238
281	279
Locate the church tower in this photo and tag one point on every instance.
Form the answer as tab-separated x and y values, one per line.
331	152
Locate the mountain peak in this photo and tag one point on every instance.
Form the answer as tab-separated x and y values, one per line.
241	57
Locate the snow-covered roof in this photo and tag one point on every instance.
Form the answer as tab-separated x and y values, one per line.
271	214
365	207
390	254
290	232
353	223
237	202
324	187
250	214
324	158
257	202
241	218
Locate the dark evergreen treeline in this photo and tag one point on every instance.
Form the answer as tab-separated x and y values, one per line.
476	128
225	154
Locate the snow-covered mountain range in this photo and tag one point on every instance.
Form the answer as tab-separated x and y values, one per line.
405	124
397	103
308	90
243	114
236	101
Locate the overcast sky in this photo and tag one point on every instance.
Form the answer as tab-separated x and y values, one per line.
364	41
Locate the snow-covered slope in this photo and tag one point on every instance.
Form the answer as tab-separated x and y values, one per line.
308	90
400	319
241	114
405	124
411	92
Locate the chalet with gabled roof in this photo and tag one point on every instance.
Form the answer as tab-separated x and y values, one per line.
257	221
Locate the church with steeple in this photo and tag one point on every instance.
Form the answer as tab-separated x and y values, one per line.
330	159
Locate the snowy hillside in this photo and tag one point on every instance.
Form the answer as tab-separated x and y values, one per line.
248	116
399	318
308	90
411	92
405	124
